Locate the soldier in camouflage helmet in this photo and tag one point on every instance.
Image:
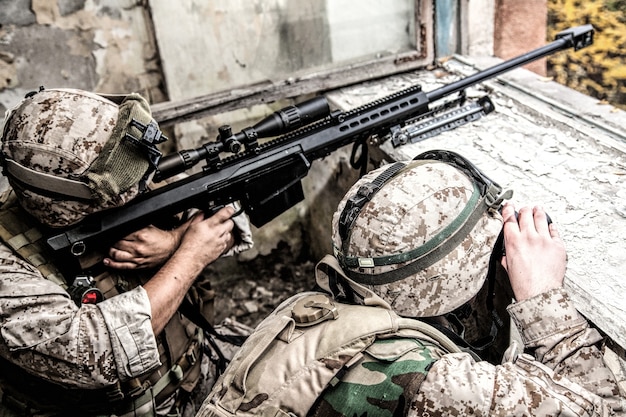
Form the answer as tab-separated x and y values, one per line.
414	244
100	334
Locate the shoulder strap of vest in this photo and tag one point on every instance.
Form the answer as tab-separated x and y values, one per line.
25	237
26	240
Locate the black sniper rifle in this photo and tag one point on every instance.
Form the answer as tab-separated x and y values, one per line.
266	178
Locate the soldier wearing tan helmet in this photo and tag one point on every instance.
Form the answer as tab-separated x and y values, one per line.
415	244
126	350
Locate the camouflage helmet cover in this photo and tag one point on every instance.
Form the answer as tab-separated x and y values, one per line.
422	242
64	154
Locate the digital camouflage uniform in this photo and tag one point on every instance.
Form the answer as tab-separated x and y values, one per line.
108	348
56	357
414	240
396	374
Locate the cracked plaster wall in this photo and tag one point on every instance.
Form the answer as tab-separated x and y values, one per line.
106	46
101	45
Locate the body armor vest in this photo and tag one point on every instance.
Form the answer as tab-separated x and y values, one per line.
179	344
294	362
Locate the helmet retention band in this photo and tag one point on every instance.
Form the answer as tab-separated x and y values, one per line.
486	195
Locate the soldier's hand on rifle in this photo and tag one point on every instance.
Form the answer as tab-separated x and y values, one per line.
207	238
146	248
204	240
535	257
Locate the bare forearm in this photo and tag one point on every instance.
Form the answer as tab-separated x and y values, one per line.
168	287
204	241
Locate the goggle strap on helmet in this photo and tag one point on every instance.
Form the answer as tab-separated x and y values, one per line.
460	163
355	203
49	183
449	240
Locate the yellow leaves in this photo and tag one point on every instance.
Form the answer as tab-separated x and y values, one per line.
600	69
617	72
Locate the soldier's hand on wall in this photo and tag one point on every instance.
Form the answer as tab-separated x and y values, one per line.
535	257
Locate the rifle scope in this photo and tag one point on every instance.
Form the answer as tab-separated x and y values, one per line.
278	123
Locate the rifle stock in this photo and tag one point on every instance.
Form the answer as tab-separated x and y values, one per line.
266	178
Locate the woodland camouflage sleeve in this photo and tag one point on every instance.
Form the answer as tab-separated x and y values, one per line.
573	379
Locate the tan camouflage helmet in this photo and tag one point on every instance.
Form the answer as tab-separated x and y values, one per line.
68	153
420	234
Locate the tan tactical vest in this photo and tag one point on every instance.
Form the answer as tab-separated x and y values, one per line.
179	343
301	348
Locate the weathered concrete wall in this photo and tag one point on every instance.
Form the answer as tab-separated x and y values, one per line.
479	28
228	44
106	46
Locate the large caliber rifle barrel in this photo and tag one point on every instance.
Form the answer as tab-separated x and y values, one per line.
577	37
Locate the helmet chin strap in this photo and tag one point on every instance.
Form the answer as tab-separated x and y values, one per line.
451	325
455	317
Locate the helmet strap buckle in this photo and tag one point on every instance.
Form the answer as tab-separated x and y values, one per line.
494	196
